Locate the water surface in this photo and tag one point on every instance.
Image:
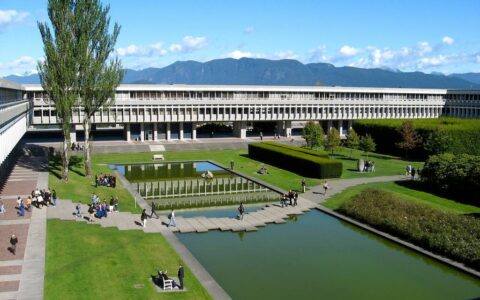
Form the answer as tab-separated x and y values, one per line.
316	256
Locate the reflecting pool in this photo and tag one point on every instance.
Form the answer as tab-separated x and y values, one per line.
192	184
316	256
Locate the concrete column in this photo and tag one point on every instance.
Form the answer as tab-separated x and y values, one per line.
194	131
329	125
240	129
279	129
350	124
142	132
168	132
340	127
126	129
155	132
180	131
73	134
288	128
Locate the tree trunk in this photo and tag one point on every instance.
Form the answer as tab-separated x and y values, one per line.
65	153
86	150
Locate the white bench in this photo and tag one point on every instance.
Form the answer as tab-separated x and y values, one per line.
158	157
167	284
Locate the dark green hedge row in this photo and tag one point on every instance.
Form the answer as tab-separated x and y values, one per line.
463	133
454	174
451	235
296	161
298	149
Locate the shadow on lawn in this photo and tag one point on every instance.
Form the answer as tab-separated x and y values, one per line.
420	186
55	165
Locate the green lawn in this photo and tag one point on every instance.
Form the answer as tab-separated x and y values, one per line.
406	193
89	262
80	188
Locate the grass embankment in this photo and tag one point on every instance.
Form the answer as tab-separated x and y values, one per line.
89	262
79	188
407	191
452	235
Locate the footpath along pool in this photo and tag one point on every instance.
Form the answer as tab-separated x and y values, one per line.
316	256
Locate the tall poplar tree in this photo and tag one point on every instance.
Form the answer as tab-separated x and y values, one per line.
100	72
58	71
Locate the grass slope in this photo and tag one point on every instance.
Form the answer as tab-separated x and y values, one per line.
89	262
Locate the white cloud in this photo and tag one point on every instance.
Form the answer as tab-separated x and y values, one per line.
448	40
130	50
8	17
249	30
22	65
433	61
424	48
237	54
189	44
347	50
286	55
319	54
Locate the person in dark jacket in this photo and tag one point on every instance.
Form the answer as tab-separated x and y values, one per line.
13	243
143	217
181	275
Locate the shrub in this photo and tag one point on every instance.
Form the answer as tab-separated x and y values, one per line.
295	159
462	133
303	150
451	235
454	174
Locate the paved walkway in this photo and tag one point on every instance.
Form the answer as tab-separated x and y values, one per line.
22	274
315	194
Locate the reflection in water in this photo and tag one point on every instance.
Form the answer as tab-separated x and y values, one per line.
177	185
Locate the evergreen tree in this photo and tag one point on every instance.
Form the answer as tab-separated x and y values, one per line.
58	72
410	138
367	144
333	140
313	134
100	73
353	140
438	142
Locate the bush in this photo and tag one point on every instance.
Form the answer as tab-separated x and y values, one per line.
453	174
295	159
462	134
451	235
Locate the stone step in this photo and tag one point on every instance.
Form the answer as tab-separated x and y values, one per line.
9	295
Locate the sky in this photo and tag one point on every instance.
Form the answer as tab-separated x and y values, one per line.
428	36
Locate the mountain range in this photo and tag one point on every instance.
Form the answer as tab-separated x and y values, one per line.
254	71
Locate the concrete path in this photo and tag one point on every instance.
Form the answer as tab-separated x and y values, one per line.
22	274
315	194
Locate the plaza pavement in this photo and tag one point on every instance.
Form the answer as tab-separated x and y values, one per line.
22	274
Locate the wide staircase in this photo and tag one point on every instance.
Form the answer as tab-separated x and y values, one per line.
271	213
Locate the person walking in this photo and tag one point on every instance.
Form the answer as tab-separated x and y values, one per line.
181	275
54	198
78	212
241	211
414	171
171	218
325	188
13	243
304	185
143	217
295	199
21	209
153	208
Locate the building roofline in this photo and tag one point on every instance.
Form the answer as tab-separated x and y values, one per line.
7	84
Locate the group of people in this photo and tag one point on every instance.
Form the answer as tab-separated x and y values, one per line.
290	198
153	211
37	198
97	208
76	147
162	277
411	172
105	180
369	166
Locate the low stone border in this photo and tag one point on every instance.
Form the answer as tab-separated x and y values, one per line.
394	239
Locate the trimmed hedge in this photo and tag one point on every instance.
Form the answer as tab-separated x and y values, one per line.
298	149
454	174
451	235
297	161
463	133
